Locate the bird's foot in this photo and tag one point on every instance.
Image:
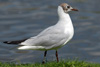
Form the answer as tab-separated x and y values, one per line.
43	62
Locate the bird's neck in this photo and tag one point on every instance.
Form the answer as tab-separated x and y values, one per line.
62	15
66	24
64	18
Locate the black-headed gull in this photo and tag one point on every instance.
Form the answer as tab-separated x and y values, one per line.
53	37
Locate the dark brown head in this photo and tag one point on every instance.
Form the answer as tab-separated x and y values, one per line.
67	7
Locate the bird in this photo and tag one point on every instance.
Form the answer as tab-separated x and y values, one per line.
53	37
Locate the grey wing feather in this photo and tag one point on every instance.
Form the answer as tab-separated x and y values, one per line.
48	37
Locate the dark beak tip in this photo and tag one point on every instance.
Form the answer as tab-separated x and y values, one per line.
74	9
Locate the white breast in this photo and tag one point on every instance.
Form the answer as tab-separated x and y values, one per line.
69	31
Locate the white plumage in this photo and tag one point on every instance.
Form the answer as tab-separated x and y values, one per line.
54	36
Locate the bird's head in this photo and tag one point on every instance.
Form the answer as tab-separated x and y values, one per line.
66	8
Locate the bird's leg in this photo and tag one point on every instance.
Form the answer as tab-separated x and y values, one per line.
44	57
57	56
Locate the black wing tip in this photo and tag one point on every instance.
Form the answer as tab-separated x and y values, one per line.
14	42
7	42
11	42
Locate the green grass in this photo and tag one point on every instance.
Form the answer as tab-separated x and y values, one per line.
69	63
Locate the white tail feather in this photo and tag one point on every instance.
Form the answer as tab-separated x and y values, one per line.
31	48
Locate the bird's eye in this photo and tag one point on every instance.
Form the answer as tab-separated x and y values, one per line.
68	6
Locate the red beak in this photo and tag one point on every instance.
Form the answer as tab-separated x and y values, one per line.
74	9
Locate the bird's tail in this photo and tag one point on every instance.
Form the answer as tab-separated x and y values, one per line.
14	42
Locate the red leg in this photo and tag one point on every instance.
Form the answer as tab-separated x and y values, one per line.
57	56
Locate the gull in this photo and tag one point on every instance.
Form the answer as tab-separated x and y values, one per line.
53	37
